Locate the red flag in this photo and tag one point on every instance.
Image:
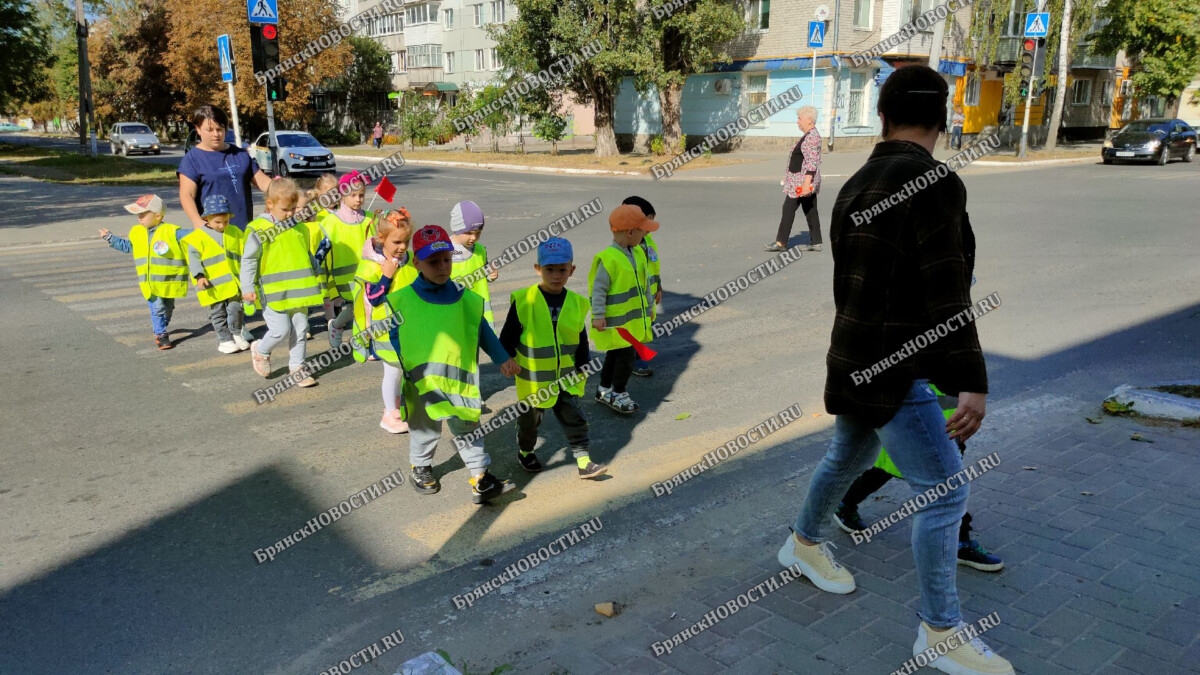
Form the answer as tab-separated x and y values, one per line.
644	353
386	190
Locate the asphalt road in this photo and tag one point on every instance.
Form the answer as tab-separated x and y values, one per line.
137	483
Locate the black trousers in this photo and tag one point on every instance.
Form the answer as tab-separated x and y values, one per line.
618	366
570	416
790	204
873	479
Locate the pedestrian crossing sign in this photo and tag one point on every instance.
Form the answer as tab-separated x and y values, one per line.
262	11
1037	24
816	33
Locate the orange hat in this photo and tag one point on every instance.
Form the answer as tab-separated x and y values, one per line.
629	217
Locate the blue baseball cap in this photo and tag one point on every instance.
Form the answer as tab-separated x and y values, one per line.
555	251
215	204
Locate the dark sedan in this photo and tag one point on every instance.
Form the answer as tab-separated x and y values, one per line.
1157	140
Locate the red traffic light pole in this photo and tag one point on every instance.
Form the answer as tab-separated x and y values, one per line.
1027	60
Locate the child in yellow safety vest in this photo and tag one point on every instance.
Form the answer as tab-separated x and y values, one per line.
214	254
158	259
437	338
279	271
326	182
546	330
348	227
641	368
621	300
386	266
470	256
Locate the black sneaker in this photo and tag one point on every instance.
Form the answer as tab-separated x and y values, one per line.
971	554
643	372
848	519
423	480
529	462
488	487
592	470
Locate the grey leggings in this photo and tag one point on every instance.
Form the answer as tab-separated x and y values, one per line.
290	326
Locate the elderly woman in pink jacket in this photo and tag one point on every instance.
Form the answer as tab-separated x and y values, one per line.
801	183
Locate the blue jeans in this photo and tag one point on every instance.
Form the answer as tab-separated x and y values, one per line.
956	138
160	313
917	441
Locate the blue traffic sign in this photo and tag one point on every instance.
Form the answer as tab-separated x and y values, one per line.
816	33
1037	24
225	55
262	11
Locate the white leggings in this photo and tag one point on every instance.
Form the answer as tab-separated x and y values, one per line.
391	386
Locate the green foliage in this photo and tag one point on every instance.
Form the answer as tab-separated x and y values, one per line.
24	54
330	135
1162	37
417	120
368	76
550	127
462	665
656	145
500	121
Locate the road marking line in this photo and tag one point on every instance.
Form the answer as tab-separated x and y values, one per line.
134	340
33	249
222	361
89	268
296	395
109	304
123	314
98	295
83	285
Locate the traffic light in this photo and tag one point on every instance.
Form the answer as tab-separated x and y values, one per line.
277	89
1025	66
264	46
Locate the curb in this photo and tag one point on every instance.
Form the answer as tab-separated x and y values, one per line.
1146	401
1035	162
504	167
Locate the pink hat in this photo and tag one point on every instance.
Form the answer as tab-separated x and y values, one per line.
358	179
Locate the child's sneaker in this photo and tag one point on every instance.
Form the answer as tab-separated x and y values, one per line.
966	658
486	486
529	461
163	341
335	336
602	393
848	519
262	364
817	563
619	402
424	482
308	380
590	469
227	347
241	342
392	423
971	554
643	371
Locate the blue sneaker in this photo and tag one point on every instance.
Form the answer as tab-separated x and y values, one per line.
971	554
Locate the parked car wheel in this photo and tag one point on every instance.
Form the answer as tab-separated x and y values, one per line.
112	148
1190	154
124	150
1106	160
1164	156
282	171
158	152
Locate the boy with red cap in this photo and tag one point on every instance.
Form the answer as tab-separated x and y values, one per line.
159	260
622	304
438	337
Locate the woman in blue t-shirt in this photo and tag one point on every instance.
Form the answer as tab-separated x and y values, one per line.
215	167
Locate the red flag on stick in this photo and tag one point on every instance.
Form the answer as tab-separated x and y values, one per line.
644	353
386	190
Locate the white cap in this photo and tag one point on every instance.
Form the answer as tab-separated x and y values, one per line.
145	203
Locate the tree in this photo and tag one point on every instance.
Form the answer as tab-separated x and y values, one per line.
459	115
24	54
417	119
369	76
1060	85
500	120
547	30
1161	37
129	73
550	127
191	54
685	42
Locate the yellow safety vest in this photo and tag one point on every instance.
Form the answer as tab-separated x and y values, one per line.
159	260
438	346
347	249
652	271
626	304
546	351
949	405
287	277
370	272
316	232
216	262
465	268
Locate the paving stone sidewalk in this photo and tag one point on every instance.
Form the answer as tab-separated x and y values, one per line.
1097	531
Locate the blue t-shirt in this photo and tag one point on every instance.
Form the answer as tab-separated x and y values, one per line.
228	172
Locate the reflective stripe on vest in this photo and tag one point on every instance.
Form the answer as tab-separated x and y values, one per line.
287	279
438	346
546	351
369	272
163	275
347	241
217	268
480	287
626	305
653	271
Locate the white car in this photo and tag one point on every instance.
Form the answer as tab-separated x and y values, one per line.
126	138
298	153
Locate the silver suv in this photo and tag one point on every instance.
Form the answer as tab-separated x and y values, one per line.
129	137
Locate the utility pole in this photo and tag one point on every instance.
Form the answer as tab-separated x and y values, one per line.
837	73
939	31
87	120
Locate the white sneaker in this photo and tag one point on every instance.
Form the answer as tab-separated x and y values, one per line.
241	342
967	658
818	565
228	347
335	336
247	335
